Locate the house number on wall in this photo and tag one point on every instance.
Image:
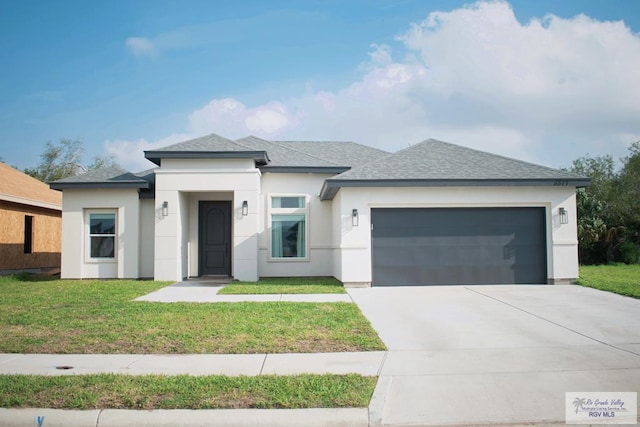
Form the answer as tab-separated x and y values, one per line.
561	183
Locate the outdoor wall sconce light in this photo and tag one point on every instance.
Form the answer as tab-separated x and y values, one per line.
245	208
564	216
354	217
165	208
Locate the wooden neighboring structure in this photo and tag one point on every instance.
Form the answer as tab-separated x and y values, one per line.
30	223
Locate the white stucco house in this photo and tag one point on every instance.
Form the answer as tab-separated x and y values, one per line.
432	214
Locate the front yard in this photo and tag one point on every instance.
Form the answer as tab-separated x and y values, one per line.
621	279
64	316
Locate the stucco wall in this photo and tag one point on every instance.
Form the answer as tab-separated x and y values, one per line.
336	235
320	244
182	183
148	219
46	239
354	242
75	260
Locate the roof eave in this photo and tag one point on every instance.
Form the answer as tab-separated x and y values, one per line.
88	185
333	170
156	156
331	186
30	202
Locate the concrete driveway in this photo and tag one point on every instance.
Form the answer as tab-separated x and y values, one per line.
498	354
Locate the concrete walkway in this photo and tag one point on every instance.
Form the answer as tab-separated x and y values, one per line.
196	292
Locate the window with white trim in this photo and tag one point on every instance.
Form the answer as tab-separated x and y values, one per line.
288	218
102	235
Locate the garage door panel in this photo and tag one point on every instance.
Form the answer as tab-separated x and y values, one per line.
458	246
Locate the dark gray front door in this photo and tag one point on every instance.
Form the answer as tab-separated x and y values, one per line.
215	238
458	246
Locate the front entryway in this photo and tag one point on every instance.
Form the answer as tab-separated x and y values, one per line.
215	238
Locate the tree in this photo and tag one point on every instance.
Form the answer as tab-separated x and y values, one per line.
609	210
601	170
629	206
101	162
595	205
629	187
591	227
63	160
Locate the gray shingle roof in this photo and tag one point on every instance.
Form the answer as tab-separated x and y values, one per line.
433	162
281	156
209	146
343	153
210	142
148	175
330	156
111	177
429	163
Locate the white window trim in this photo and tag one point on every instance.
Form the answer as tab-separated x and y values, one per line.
87	237
288	211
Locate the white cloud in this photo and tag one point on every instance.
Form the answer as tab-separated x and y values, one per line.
549	90
379	56
231	118
141	47
267	120
130	154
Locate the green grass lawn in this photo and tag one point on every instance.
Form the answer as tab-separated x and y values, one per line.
109	391
286	285
620	278
66	316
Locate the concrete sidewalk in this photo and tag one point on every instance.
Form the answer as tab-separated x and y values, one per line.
363	363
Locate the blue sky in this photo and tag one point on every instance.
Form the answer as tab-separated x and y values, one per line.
123	76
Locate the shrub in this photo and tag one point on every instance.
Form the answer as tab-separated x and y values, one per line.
629	253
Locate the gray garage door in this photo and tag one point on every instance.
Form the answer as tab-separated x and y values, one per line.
458	246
